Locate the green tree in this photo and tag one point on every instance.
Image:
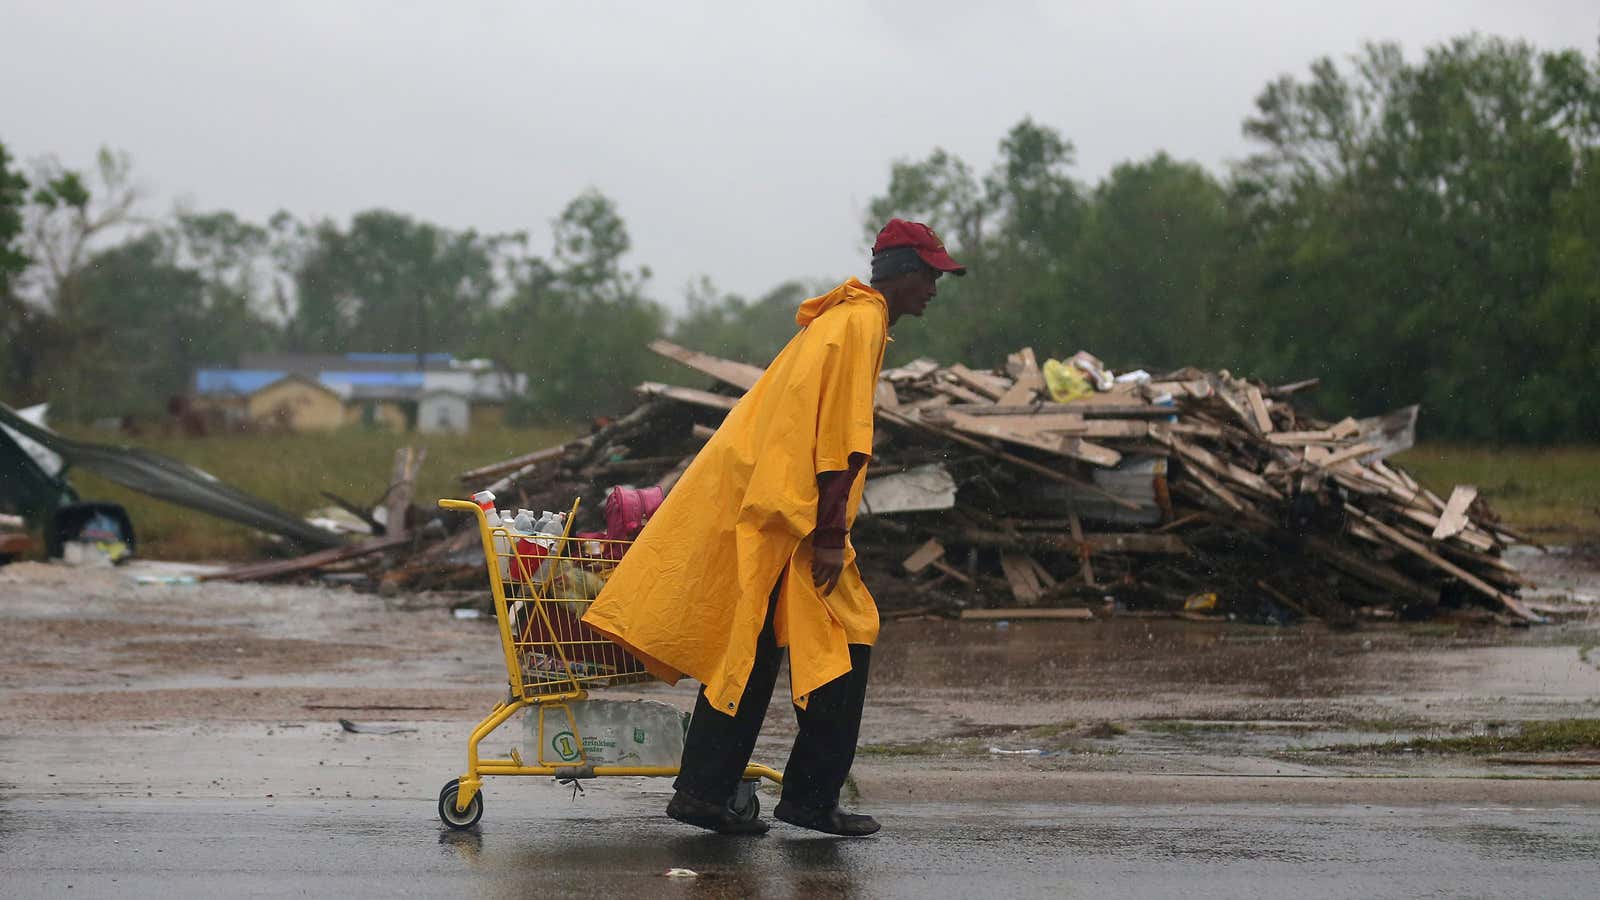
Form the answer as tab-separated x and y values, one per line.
391	283
67	219
148	326
1149	266
1017	226
14	315
578	325
736	328
1400	218
233	259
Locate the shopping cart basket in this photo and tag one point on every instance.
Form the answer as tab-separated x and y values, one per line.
542	585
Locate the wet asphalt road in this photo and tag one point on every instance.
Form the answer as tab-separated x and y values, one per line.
619	846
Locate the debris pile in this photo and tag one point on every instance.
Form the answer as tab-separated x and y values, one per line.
1189	493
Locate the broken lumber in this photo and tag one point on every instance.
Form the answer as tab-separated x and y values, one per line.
1454	517
307	563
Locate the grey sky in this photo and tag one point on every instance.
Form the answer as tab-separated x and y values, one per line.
740	140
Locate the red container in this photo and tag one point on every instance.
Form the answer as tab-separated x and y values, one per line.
530	556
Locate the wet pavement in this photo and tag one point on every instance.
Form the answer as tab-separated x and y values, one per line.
181	740
619	846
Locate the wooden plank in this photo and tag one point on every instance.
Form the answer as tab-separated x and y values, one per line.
1198	473
1053	420
1019	574
513	464
1076	448
1296	438
402	484
1512	604
1258	408
961	393
693	396
990	386
916	370
1346	427
1364	567
307	563
1018	394
738	374
991	615
1284	390
1028	464
983	428
1159	431
1477	540
1454	517
1021	362
1320	457
1079	407
1286	600
951	571
923	556
1240	408
1117	429
1029	381
1197	389
1041	573
1224	469
1085	550
1137	542
884	395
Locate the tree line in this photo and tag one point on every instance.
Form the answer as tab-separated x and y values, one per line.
1407	231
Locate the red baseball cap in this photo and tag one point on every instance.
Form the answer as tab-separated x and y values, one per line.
919	237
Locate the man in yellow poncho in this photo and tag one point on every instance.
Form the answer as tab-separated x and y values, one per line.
750	554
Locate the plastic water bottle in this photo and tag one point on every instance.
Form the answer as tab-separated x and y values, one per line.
530	551
502	544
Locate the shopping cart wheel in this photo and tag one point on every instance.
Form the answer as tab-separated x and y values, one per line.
744	803
460	821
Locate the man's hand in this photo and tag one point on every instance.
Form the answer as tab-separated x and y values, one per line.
827	564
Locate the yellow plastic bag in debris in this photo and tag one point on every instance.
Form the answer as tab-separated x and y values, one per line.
1065	381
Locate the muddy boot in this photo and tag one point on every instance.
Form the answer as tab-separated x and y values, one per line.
691	810
827	821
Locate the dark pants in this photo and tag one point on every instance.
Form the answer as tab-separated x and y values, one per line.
718	746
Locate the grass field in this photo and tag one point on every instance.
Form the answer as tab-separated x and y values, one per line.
291	471
1552	493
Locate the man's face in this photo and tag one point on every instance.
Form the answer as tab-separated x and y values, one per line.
919	289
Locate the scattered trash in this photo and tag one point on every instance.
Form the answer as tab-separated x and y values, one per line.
1032	751
165	579
680	873
467	612
363	728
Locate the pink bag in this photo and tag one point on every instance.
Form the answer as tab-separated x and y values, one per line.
627	509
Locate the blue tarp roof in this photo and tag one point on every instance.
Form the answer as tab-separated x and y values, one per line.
233	381
248	381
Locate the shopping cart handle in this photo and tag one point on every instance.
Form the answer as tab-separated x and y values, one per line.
463	506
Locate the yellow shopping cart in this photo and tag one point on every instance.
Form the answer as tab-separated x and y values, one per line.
542	585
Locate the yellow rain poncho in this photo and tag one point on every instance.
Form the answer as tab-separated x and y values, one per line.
690	596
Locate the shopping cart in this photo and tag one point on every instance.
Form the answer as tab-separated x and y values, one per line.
542	586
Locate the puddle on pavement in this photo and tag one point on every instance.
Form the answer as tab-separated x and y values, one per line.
1117	656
